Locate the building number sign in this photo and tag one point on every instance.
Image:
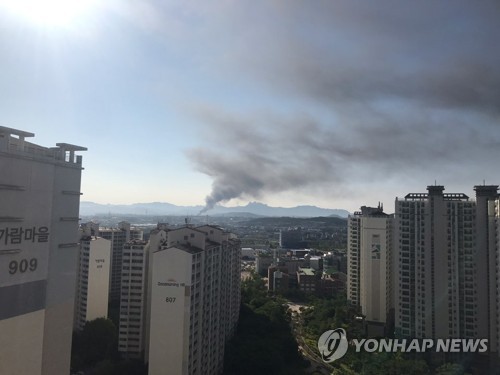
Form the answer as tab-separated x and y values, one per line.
22	266
18	236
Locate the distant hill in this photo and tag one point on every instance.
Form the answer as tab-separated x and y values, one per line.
298	222
153	208
298	211
250	210
238	214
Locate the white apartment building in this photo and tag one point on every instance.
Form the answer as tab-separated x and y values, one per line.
230	290
369	266
94	265
445	256
194	300
133	299
118	237
447	265
39	205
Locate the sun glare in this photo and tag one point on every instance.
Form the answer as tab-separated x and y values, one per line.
49	13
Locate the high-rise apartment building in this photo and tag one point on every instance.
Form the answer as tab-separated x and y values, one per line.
133	299
180	298
118	237
486	258
94	265
370	267
447	265
194	300
230	289
443	251
494	287
39	205
353	259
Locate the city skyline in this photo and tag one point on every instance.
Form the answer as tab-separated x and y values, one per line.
281	103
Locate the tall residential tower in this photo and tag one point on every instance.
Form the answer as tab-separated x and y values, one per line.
194	300
94	265
370	267
447	265
118	237
39	205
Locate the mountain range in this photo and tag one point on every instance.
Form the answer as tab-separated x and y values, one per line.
252	209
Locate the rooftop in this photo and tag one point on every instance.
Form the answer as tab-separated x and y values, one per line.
186	248
306	271
12	141
446	196
372	211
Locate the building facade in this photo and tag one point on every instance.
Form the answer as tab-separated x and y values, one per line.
278	278
262	263
194	300
436	285
133	299
94	264
494	229
369	272
486	258
39	205
307	280
447	261
118	237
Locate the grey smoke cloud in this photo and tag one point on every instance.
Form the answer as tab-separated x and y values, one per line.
411	89
281	154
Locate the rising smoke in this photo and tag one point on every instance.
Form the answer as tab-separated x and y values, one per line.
378	91
293	156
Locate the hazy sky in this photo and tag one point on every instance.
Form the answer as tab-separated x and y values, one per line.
333	103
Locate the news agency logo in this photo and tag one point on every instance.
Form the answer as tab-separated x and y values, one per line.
333	345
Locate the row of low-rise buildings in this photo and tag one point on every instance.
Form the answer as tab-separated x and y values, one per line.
289	274
431	269
179	293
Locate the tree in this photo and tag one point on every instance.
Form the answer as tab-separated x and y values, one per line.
95	343
263	343
450	369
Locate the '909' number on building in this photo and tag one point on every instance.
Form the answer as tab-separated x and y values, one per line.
170	299
23	265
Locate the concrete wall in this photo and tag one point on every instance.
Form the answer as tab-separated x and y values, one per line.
170	312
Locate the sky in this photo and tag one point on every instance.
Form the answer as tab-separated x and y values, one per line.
337	104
